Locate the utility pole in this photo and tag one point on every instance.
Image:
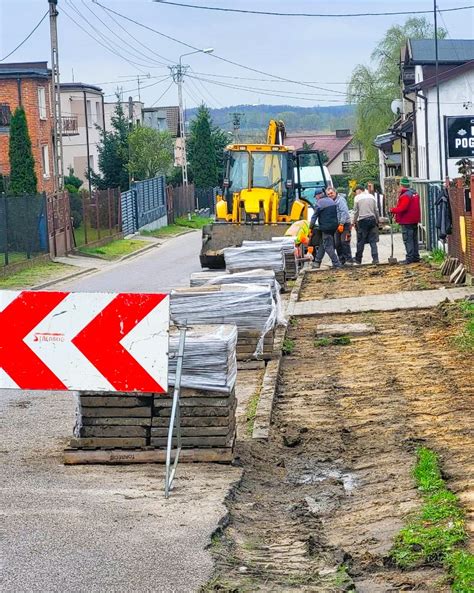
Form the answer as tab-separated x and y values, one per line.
438	108
130	128
236	119
178	72
58	165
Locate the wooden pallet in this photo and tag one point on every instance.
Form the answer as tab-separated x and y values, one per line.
148	455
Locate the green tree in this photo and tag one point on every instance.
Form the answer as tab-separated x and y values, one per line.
202	151
373	89
220	139
151	153
113	152
22	164
72	184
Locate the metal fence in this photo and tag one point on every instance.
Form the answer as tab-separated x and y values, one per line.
96	216
23	228
144	205
206	198
180	201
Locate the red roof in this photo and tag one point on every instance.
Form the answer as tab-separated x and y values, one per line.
327	142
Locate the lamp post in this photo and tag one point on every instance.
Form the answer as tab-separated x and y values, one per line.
178	73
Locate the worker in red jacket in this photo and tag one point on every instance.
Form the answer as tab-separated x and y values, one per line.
407	214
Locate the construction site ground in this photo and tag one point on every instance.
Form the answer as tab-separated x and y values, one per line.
320	503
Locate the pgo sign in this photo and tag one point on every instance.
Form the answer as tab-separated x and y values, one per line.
84	341
460	137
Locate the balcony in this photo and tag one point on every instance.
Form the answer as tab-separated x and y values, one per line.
69	125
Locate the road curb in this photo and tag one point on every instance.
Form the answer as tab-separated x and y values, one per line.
266	402
71	276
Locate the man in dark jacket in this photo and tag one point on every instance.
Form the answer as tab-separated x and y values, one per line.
325	213
408	215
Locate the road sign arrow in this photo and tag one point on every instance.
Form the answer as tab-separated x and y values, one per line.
17	320
101	342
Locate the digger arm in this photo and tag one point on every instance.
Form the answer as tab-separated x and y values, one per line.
276	132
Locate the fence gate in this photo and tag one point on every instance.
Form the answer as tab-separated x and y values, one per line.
59	224
129	212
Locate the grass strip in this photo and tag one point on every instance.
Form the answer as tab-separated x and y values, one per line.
37	273
115	249
252	411
181	225
334	341
435	534
465	338
437	256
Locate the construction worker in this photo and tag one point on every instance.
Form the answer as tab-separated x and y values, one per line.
408	215
366	221
325	213
342	236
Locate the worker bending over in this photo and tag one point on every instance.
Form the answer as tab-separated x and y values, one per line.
325	213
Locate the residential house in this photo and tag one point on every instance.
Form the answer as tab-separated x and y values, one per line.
136	112
82	112
340	147
417	126
28	84
165	118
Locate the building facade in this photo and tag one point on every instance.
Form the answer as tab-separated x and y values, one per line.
133	111
82	112
28	84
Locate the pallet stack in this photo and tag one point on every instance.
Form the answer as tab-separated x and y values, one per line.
262	255
112	421
251	308
287	245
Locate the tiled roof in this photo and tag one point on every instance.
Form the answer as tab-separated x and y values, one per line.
331	144
25	70
172	117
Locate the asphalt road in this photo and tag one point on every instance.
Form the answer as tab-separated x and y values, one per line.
159	270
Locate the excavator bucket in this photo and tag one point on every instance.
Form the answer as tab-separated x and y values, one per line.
219	235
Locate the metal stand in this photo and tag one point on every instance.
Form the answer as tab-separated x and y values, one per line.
175	420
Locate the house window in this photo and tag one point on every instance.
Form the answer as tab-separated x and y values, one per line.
346	156
5	115
45	160
89	114
97	113
42	102
91	162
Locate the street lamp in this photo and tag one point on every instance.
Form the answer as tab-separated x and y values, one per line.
178	73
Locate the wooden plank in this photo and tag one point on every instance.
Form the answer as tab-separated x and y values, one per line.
456	272
124	456
198	431
163	422
86	421
197	411
191	442
136	412
92	442
112	401
196	401
113	431
246	356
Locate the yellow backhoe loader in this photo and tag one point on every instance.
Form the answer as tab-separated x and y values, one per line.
266	188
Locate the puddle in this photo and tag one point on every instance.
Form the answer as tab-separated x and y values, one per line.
314	473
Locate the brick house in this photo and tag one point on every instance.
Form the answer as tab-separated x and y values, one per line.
28	84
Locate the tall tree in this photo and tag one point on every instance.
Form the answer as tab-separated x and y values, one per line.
113	152
151	153
202	151
374	88
22	164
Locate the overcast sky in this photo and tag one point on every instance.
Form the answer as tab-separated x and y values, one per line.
321	51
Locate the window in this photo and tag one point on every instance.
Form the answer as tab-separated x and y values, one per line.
97	114
42	102
91	162
5	115
45	160
346	156
89	114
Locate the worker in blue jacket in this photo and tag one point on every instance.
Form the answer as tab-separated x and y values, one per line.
325	213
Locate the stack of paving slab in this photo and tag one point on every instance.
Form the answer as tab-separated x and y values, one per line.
288	246
251	307
126	421
266	255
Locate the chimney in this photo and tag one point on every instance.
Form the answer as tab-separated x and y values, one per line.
343	133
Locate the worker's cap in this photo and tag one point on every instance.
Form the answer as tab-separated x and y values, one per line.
360	187
319	192
405	182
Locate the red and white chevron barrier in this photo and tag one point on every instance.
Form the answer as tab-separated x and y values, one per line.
84	341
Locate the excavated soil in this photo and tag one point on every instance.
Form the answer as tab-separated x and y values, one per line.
357	281
319	504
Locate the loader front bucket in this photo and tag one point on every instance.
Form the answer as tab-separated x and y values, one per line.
219	235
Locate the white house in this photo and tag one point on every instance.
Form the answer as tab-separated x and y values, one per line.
132	108
418	126
82	112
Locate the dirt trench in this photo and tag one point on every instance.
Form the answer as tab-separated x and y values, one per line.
320	503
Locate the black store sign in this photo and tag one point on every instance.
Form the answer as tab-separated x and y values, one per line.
460	136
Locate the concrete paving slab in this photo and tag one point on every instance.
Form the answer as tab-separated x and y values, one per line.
344	329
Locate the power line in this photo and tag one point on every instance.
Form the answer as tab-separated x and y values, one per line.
141	55
26	38
163	94
265	79
147	86
310	14
214	55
